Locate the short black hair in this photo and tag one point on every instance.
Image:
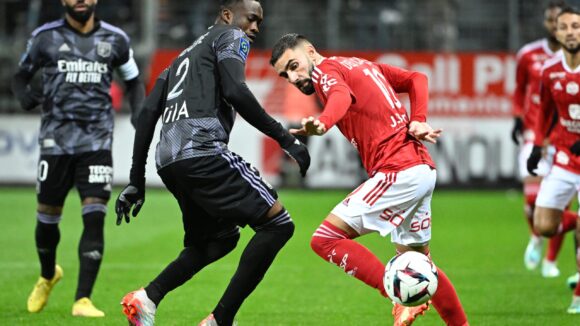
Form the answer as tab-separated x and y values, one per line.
288	41
230	3
552	4
568	10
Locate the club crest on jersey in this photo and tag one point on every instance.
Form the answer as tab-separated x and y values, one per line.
104	49
574	111
244	49
572	88
562	158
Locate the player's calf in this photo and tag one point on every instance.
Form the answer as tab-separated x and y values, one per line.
271	235
335	246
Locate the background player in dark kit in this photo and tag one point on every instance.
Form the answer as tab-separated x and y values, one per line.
77	56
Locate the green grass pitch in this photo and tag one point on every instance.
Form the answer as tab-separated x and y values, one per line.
478	239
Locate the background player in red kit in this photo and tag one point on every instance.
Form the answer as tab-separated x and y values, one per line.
526	102
360	99
560	88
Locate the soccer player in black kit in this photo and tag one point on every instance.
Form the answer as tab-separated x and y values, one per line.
197	98
77	56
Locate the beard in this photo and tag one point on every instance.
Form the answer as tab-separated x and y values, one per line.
572	50
81	17
306	86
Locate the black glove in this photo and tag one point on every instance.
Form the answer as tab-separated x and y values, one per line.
575	149
534	159
131	195
31	99
299	153
517	129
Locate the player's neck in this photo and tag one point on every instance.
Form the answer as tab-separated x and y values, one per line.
572	59
82	28
554	46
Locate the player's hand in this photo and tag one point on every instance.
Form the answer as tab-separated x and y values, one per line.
517	130
131	195
575	148
310	127
534	160
423	131
299	153
31	100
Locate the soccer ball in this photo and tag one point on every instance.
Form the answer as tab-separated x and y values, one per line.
410	278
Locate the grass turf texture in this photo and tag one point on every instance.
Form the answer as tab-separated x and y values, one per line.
478	239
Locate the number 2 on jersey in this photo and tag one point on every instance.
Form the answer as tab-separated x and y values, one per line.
177	90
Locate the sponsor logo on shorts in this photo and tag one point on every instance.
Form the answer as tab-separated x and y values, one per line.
100	174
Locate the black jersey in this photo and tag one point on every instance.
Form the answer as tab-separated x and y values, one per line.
77	70
197	119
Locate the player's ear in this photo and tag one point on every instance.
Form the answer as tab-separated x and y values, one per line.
309	49
227	15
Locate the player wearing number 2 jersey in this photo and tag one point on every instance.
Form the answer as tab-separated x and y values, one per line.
360	99
197	98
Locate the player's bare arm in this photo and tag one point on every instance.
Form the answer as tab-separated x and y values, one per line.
424	132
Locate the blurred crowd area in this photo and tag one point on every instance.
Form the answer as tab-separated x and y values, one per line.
390	25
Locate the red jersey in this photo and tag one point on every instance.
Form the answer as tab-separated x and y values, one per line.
359	96
526	99
560	89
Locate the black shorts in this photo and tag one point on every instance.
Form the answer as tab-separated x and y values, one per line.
216	194
90	172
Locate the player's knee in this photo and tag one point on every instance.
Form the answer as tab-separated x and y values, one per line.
280	223
48	219
49	209
545	226
221	247
323	241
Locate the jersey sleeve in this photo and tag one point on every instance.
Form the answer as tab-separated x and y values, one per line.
521	83
339	96
152	110
233	44
412	82
31	59
547	104
125	63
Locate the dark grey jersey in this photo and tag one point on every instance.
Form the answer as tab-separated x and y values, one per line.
77	69
197	119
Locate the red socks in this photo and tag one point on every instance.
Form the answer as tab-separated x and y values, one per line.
447	303
334	246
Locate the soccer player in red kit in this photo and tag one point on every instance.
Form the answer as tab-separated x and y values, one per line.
360	99
560	88
526	102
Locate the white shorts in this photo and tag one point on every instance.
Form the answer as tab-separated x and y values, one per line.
396	203
558	188
544	165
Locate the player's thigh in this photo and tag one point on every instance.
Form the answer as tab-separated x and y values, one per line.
557	189
94	174
55	178
235	191
544	165
384	202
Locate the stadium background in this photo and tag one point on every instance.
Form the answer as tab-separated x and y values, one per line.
467	48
